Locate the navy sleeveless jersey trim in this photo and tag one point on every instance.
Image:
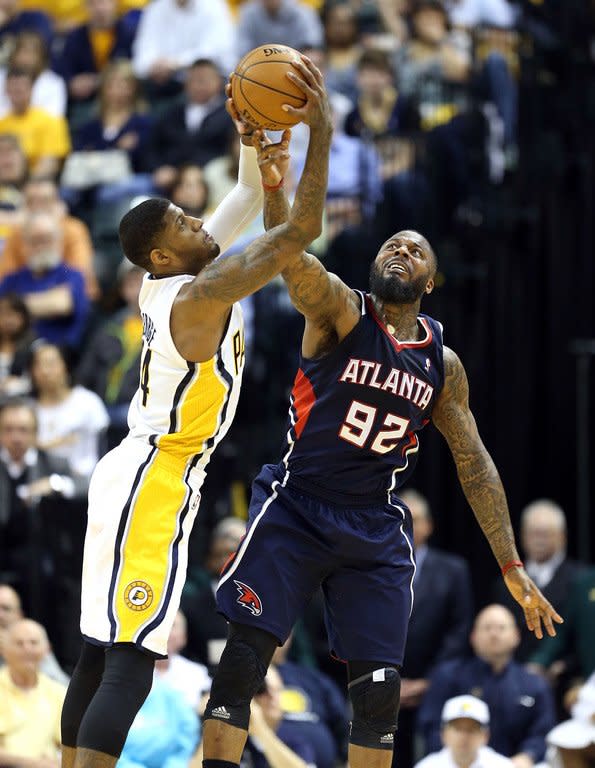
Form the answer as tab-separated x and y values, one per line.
355	414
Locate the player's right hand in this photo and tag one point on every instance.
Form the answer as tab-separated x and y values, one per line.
316	112
535	607
242	127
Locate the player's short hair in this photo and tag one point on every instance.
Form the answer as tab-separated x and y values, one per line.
140	228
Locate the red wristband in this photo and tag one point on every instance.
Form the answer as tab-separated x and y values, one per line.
511	564
272	187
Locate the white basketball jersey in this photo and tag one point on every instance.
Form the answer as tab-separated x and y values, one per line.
184	408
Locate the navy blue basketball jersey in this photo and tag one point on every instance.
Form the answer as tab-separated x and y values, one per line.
355	413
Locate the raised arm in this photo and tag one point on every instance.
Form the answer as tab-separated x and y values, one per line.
330	307
226	281
483	488
202	305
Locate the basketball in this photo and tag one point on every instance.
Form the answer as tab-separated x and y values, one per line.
259	87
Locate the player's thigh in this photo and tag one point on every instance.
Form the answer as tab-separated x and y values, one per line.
278	566
367	611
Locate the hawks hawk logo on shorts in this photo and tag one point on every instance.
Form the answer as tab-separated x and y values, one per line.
248	598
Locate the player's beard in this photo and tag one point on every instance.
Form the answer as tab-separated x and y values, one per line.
393	289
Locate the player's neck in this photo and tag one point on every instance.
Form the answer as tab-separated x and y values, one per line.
400	319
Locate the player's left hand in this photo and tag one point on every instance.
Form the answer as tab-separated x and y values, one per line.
535	607
273	159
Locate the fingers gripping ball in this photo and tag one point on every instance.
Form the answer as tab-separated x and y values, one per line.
260	87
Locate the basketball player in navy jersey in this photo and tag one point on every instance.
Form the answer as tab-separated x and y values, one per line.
373	372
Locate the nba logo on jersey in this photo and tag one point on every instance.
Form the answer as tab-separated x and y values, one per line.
428	364
248	598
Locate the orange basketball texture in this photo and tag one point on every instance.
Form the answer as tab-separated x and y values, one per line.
259	87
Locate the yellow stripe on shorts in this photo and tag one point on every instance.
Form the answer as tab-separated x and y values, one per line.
149	549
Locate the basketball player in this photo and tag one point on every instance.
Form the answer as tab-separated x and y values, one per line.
373	372
144	495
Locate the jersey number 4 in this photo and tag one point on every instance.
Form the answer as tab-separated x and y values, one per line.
358	424
144	376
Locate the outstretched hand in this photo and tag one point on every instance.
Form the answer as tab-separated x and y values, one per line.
316	112
535	607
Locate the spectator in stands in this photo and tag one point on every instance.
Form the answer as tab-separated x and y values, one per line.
190	190
577	632
71	418
266	747
111	360
31	54
431	65
164	733
13	172
474	13
314	709
342	42
120	130
440	622
11	611
123	122
190	679
41	196
207	630
543	540
465	732
574	739
196	29
279	21
44	138
195	131
89	47
381	115
32	482
436	66
16	337
53	292
13	21
30	703
520	702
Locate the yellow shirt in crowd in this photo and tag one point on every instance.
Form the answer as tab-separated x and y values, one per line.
68	13
39	133
30	720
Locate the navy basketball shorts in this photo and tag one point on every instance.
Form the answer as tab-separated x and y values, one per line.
362	557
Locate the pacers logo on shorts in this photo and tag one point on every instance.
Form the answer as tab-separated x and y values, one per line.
138	595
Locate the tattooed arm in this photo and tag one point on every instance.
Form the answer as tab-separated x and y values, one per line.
330	307
202	306
483	488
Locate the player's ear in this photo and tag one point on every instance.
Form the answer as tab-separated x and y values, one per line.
158	258
430	285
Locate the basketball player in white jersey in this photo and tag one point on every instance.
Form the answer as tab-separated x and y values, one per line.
144	495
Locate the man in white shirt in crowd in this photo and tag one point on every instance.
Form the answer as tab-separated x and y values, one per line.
465	734
173	33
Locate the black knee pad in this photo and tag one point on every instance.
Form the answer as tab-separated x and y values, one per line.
126	682
84	683
240	674
375	700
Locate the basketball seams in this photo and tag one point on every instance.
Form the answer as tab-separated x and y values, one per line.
260	91
302	99
269	121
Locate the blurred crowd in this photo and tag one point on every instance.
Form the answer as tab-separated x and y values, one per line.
106	102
